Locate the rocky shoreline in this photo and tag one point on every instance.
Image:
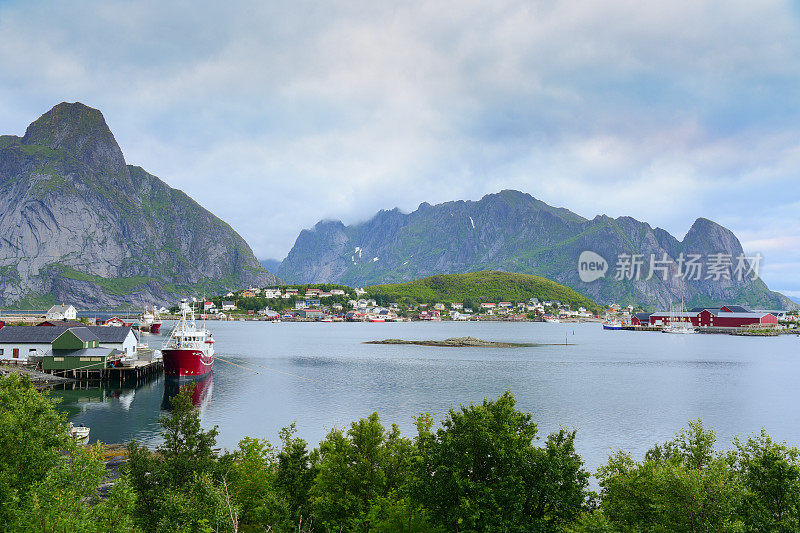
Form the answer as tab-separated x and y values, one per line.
36	377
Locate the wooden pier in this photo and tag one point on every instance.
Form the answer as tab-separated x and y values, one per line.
123	374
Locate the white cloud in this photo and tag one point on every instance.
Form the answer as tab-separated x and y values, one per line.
275	115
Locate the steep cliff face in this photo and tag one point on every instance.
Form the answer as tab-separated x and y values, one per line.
78	224
515	232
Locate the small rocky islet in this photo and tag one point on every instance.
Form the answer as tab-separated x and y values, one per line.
458	342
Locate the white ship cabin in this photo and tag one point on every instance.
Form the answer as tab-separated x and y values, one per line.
192	339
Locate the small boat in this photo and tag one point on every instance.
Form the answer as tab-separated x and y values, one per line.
679	328
377	319
80	433
188	353
612	324
676	321
327	319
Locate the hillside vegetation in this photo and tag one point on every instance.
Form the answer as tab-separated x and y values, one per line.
476	287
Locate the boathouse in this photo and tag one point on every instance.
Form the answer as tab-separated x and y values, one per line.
24	344
84	359
731	316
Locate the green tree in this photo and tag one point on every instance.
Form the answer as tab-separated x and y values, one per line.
181	486
48	483
252	481
481	472
682	485
296	470
770	475
67	499
355	470
33	438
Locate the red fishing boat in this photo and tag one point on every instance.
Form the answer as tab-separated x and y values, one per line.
188	353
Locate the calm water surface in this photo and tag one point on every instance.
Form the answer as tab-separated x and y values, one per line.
619	389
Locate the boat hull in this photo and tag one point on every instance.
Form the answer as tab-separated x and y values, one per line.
186	364
606	326
155	327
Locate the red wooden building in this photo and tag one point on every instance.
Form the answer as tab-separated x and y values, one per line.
718	317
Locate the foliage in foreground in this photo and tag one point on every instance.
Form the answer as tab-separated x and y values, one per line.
483	469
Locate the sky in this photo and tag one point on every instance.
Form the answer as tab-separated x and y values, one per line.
274	115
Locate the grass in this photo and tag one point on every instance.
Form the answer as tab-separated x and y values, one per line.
113	286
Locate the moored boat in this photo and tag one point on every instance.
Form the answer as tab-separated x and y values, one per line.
188	353
79	433
612	324
150	321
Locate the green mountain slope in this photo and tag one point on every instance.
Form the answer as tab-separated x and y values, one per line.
476	287
80	225
514	232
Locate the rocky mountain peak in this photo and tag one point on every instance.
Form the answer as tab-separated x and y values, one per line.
80	131
707	234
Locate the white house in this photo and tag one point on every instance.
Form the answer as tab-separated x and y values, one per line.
272	293
337	292
21	344
61	312
228	306
25	343
122	339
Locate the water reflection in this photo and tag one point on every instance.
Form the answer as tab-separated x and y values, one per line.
201	392
115	412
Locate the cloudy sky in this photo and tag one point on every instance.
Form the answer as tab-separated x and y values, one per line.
274	115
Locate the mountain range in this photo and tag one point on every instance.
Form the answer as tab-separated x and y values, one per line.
514	232
80	225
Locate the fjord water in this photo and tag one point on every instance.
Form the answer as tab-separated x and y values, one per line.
619	389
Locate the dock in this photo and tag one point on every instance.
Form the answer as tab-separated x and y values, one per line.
123	374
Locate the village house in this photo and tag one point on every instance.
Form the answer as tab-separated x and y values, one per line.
24	344
456	305
488	305
228	306
121	339
272	293
248	293
337	292
438	306
300	304
61	312
309	313
325	295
